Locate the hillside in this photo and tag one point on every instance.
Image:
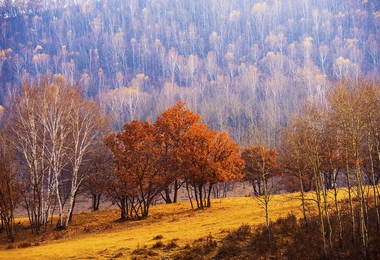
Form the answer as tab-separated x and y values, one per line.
97	235
236	63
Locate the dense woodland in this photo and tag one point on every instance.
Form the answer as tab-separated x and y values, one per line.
237	63
294	83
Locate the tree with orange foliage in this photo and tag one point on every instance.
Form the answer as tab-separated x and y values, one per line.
138	175
209	159
176	148
261	164
172	126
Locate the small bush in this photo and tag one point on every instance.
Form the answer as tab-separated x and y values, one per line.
229	250
118	255
172	244
240	234
144	252
158	237
201	249
207	246
11	246
231	247
158	244
25	244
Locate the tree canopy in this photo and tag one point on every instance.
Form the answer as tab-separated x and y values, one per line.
176	148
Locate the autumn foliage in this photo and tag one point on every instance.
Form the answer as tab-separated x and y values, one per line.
172	126
261	164
177	148
138	175
210	159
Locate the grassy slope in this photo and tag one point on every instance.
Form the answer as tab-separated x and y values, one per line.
92	236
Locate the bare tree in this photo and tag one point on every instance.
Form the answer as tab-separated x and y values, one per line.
10	188
53	128
87	128
24	115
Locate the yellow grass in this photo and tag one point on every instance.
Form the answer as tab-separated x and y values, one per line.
175	221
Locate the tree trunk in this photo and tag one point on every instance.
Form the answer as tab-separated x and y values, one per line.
123	210
266	203
259	187
95	202
361	198
349	188
362	211
72	209
11	210
318	187
340	227
208	196
200	188
70	206
177	186
60	208
374	187
327	214
303	200
166	196
196	196
189	195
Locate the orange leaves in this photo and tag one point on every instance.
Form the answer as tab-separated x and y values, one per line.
131	148
172	127
227	154
149	157
261	163
175	121
137	176
206	157
197	154
211	158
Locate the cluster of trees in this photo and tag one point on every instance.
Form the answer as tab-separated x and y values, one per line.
56	144
336	144
235	62
54	141
177	149
51	140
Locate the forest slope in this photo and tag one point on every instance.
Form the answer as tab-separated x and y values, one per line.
237	63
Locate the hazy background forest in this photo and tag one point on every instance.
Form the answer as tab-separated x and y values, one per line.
238	63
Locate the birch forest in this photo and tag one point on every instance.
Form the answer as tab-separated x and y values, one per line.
238	63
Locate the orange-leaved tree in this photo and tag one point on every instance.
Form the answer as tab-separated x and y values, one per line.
261	164
209	159
172	126
138	176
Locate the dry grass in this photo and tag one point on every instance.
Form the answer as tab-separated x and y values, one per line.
168	229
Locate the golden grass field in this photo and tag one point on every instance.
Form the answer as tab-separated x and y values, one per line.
98	235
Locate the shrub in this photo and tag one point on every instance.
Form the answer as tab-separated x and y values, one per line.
25	244
172	244
158	237
239	234
158	244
